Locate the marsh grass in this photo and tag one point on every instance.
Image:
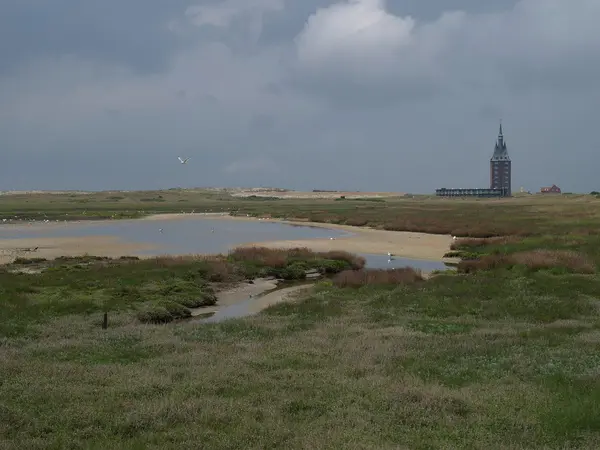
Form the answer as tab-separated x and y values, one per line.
159	289
292	264
504	356
456	362
382	277
278	258
540	259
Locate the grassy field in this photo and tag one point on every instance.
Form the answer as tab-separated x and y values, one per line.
501	355
527	215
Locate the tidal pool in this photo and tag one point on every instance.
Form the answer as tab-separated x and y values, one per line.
198	234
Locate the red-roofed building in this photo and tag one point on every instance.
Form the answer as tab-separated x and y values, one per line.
554	189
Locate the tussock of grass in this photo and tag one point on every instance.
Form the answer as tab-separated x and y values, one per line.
463	243
358	278
533	260
199	301
278	258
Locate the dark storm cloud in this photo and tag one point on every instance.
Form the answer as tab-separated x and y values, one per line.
129	32
362	94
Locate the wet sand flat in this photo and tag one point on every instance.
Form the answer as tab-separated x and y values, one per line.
53	247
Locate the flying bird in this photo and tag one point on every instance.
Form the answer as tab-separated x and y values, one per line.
183	161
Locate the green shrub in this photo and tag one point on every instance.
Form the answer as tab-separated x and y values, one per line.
24	261
177	310
128	293
180	287
154	314
329	266
198	301
294	271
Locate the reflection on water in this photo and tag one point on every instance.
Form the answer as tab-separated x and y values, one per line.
235	311
188	235
384	262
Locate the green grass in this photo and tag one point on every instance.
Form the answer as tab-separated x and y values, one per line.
153	290
526	215
505	356
414	366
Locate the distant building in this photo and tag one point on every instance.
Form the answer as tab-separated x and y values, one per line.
554	189
500	166
476	192
500	176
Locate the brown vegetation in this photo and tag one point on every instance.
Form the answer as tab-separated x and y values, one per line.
535	260
482	242
477	218
358	278
280	257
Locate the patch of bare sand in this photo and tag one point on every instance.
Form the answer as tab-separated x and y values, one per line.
367	240
53	247
254	292
238	294
313	194
288	294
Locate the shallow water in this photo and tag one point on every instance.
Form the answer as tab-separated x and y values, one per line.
196	235
236	311
384	262
188	235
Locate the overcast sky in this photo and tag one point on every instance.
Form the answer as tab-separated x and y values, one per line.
403	95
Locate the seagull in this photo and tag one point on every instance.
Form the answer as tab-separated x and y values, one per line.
183	161
453	238
160	229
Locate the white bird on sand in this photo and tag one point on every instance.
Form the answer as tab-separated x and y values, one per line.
183	161
453	238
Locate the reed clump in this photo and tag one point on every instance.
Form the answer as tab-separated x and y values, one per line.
539	259
364	277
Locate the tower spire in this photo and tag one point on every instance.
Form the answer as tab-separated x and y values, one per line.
500	165
500	142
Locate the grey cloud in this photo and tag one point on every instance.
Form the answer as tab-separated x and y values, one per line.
133	33
267	95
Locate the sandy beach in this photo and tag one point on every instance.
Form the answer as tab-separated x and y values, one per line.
359	240
53	247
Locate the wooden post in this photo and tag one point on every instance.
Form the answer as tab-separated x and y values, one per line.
105	321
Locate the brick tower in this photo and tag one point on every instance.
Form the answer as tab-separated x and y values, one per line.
500	169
